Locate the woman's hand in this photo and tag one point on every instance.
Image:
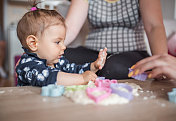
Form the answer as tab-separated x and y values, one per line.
99	63
158	64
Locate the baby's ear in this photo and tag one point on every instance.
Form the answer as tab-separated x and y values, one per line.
31	41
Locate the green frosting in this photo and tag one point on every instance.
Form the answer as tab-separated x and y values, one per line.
76	87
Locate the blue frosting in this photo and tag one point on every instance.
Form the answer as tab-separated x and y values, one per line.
52	90
172	95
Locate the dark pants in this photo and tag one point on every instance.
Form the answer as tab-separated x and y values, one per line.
116	66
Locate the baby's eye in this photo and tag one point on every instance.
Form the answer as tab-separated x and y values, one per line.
57	42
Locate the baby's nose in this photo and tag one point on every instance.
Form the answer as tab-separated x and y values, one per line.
63	47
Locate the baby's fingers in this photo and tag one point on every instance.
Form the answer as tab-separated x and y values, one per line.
102	53
105	50
93	76
102	57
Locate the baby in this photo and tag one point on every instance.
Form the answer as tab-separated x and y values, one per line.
42	34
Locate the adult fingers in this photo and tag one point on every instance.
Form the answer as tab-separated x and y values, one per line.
148	59
163	71
157	62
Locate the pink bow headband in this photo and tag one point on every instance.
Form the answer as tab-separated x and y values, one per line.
33	8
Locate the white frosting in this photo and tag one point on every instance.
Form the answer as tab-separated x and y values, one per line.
1	92
135	88
81	97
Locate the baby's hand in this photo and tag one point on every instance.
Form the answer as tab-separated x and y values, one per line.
99	63
89	76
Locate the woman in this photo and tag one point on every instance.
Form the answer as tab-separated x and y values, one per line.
117	25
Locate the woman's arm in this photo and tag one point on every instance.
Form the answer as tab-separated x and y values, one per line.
153	25
75	19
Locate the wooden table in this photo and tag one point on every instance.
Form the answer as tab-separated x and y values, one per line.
26	104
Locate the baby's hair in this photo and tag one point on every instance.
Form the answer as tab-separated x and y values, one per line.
36	21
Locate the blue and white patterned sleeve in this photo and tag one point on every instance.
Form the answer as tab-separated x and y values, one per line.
65	66
34	72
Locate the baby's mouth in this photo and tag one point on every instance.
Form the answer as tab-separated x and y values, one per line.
60	55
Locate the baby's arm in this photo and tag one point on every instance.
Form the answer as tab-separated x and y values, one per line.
67	79
65	66
99	63
72	74
33	72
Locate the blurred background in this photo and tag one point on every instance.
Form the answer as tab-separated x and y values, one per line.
12	10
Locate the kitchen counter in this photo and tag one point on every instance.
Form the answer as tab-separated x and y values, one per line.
26	104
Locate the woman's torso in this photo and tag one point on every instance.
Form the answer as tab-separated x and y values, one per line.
117	26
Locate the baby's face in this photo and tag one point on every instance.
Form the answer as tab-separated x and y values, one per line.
51	45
